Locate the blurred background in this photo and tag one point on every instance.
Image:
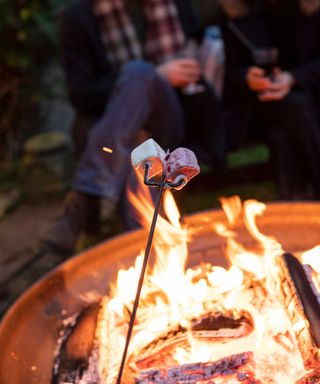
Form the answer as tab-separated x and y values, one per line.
32	94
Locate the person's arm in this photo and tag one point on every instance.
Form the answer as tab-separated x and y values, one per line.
241	36
306	76
180	72
88	89
279	88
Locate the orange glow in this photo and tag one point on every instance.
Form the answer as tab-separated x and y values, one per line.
108	150
173	296
312	258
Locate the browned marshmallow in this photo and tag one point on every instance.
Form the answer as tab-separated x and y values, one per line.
181	165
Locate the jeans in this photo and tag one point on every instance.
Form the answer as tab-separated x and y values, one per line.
141	100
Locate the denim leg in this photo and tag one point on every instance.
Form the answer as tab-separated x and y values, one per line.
141	99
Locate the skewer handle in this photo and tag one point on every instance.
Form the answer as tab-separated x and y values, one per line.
142	274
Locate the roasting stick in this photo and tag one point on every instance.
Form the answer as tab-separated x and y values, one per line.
162	185
150	158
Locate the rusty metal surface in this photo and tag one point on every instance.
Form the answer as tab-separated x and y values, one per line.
29	331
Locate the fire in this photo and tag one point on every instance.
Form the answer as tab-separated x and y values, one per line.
175	297
312	258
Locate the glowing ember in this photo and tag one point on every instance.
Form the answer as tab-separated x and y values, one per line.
108	150
199	321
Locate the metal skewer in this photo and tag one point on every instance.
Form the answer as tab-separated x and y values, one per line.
162	185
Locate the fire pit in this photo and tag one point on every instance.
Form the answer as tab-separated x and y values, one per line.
31	328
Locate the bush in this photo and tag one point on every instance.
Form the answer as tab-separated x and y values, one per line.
28	34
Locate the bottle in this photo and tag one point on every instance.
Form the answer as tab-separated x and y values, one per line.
213	58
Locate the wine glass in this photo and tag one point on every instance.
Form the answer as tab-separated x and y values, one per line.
191	50
266	58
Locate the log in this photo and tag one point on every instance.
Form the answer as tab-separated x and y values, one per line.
310	378
76	346
213	327
235	365
303	308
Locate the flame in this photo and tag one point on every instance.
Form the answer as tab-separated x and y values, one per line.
312	258
174	295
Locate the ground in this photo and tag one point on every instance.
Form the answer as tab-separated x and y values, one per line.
20	234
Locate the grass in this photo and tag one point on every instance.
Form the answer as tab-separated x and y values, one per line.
9	176
255	154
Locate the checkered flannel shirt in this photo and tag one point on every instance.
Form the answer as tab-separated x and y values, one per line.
164	34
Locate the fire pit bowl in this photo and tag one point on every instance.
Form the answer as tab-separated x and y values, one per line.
29	330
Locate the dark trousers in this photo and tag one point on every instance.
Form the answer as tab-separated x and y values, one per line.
291	127
205	133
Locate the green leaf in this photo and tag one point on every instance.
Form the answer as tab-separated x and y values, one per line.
46	25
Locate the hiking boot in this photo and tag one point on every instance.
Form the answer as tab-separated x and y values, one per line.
78	215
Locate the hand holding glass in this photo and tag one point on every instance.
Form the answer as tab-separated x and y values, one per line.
191	50
266	58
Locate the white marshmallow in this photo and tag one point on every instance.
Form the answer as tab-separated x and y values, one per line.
150	153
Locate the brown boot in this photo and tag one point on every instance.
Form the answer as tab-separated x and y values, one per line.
78	215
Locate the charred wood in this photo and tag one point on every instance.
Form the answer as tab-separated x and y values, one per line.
308	270
222	325
303	309
213	327
235	365
73	357
306	294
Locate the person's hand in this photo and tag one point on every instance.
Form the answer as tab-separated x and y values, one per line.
234	8
282	83
309	7
180	72
257	80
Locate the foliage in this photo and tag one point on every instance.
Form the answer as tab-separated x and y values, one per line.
28	30
28	34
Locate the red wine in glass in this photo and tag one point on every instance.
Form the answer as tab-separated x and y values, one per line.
266	58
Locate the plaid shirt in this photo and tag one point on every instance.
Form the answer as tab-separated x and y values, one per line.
164	35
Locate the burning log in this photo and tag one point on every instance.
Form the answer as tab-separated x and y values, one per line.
236	365
77	344
303	309
222	325
308	270
214	327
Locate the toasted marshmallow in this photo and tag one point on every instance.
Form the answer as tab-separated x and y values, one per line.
181	164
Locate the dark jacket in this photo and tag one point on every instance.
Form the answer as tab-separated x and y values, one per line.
297	37
90	77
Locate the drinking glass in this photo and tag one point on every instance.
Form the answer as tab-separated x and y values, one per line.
266	58
191	50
